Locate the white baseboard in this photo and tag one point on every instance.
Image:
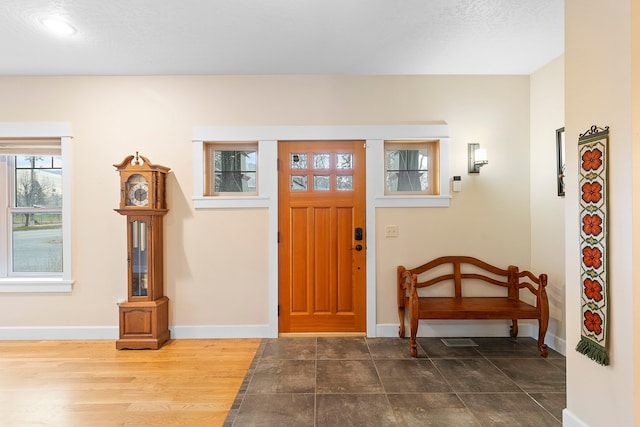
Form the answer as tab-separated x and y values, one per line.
487	328
39	333
556	343
226	331
570	420
442	329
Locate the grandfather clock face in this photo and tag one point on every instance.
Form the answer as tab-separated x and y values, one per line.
137	191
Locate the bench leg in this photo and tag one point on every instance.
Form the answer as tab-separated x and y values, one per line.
514	328
401	318
543	323
412	343
413	320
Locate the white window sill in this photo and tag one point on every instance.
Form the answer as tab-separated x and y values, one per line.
226	202
412	201
35	285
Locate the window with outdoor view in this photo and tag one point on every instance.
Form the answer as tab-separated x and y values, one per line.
34	215
231	168
35	212
411	167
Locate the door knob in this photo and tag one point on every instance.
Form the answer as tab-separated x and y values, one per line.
358	248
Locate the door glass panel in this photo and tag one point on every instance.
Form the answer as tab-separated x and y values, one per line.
344	161
321	161
344	183
321	183
139	259
298	161
298	183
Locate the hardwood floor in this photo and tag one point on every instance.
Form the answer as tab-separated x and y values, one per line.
90	383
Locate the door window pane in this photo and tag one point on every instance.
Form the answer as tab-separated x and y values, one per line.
298	183
298	161
344	183
321	161
344	161
321	183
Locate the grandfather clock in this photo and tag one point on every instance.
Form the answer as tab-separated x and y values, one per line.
144	317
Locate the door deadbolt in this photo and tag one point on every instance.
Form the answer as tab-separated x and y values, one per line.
358	234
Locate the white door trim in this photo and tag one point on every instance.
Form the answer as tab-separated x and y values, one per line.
267	137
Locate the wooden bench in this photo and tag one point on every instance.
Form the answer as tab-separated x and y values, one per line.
468	269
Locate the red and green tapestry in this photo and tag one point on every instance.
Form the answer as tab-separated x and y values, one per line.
592	147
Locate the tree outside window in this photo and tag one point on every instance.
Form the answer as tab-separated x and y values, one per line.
231	168
408	167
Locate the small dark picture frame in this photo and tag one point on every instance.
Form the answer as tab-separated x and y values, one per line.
560	160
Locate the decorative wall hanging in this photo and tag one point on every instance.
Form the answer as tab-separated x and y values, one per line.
592	148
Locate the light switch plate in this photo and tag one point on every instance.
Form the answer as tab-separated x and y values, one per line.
391	231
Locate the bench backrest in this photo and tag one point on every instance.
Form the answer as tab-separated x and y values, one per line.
508	278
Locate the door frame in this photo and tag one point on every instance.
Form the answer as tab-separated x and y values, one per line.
268	137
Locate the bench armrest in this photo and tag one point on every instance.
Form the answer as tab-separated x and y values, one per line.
536	285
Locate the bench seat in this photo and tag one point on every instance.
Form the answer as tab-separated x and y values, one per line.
474	308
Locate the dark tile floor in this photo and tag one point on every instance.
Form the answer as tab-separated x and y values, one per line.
357	381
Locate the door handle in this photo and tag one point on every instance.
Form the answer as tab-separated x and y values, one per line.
358	248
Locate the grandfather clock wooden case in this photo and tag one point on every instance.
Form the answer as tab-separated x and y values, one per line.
144	317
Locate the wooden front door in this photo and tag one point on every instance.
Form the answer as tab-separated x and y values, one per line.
322	239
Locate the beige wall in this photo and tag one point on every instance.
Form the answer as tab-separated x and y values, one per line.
216	264
598	91
547	209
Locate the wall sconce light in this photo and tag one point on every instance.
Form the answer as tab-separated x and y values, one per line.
477	158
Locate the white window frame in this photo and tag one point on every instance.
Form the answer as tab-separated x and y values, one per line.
25	133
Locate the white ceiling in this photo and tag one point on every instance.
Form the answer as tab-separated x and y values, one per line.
151	37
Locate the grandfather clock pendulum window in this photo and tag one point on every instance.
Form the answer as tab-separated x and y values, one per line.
139	259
